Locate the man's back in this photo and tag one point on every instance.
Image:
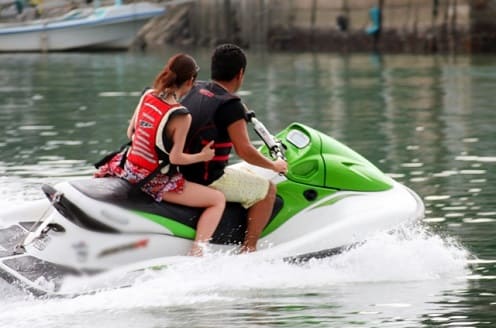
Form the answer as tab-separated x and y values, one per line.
212	109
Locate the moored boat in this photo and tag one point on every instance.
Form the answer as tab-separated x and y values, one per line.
105	27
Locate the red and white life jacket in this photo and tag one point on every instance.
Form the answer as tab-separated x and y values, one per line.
148	146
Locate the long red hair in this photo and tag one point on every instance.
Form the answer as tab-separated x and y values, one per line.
179	69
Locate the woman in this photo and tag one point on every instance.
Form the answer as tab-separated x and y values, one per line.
158	130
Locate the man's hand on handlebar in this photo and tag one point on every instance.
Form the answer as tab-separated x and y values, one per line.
280	166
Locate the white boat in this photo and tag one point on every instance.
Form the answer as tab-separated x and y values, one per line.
106	27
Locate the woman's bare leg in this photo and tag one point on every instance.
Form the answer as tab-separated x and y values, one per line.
213	201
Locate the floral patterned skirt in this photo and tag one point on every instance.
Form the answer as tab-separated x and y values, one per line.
160	184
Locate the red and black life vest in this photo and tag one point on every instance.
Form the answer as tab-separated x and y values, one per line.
149	146
203	101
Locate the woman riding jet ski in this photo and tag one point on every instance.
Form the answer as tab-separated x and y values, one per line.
331	198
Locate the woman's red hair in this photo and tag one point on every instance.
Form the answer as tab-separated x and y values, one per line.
179	69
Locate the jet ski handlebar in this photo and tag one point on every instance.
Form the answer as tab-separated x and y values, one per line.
276	148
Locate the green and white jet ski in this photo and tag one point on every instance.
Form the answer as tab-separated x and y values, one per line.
330	198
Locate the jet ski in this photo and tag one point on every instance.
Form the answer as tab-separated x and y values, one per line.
330	198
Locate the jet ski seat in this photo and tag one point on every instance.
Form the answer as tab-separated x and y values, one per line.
117	191
111	189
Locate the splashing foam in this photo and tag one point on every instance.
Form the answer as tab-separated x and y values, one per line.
408	254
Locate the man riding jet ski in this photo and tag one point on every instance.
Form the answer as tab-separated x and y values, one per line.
330	198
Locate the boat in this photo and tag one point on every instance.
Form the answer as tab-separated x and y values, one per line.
331	199
105	27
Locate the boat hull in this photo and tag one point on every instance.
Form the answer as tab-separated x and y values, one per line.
112	28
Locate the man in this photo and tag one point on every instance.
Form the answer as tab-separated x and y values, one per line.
219	115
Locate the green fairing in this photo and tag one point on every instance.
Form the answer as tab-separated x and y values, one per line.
325	166
294	202
177	229
326	162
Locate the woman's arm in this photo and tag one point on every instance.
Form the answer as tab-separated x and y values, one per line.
177	129
132	122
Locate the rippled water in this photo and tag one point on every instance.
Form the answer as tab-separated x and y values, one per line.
428	121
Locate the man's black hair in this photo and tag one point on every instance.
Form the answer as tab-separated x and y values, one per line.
227	60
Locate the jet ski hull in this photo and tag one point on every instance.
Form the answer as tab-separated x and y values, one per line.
330	199
65	248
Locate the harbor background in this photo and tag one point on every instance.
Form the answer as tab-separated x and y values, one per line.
401	26
408	26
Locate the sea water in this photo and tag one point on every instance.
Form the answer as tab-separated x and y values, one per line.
427	121
394	277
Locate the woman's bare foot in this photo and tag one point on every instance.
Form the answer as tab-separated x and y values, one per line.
196	249
247	249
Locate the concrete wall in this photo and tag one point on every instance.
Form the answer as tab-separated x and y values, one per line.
483	25
407	25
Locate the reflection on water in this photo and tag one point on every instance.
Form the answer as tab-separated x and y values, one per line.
428	121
